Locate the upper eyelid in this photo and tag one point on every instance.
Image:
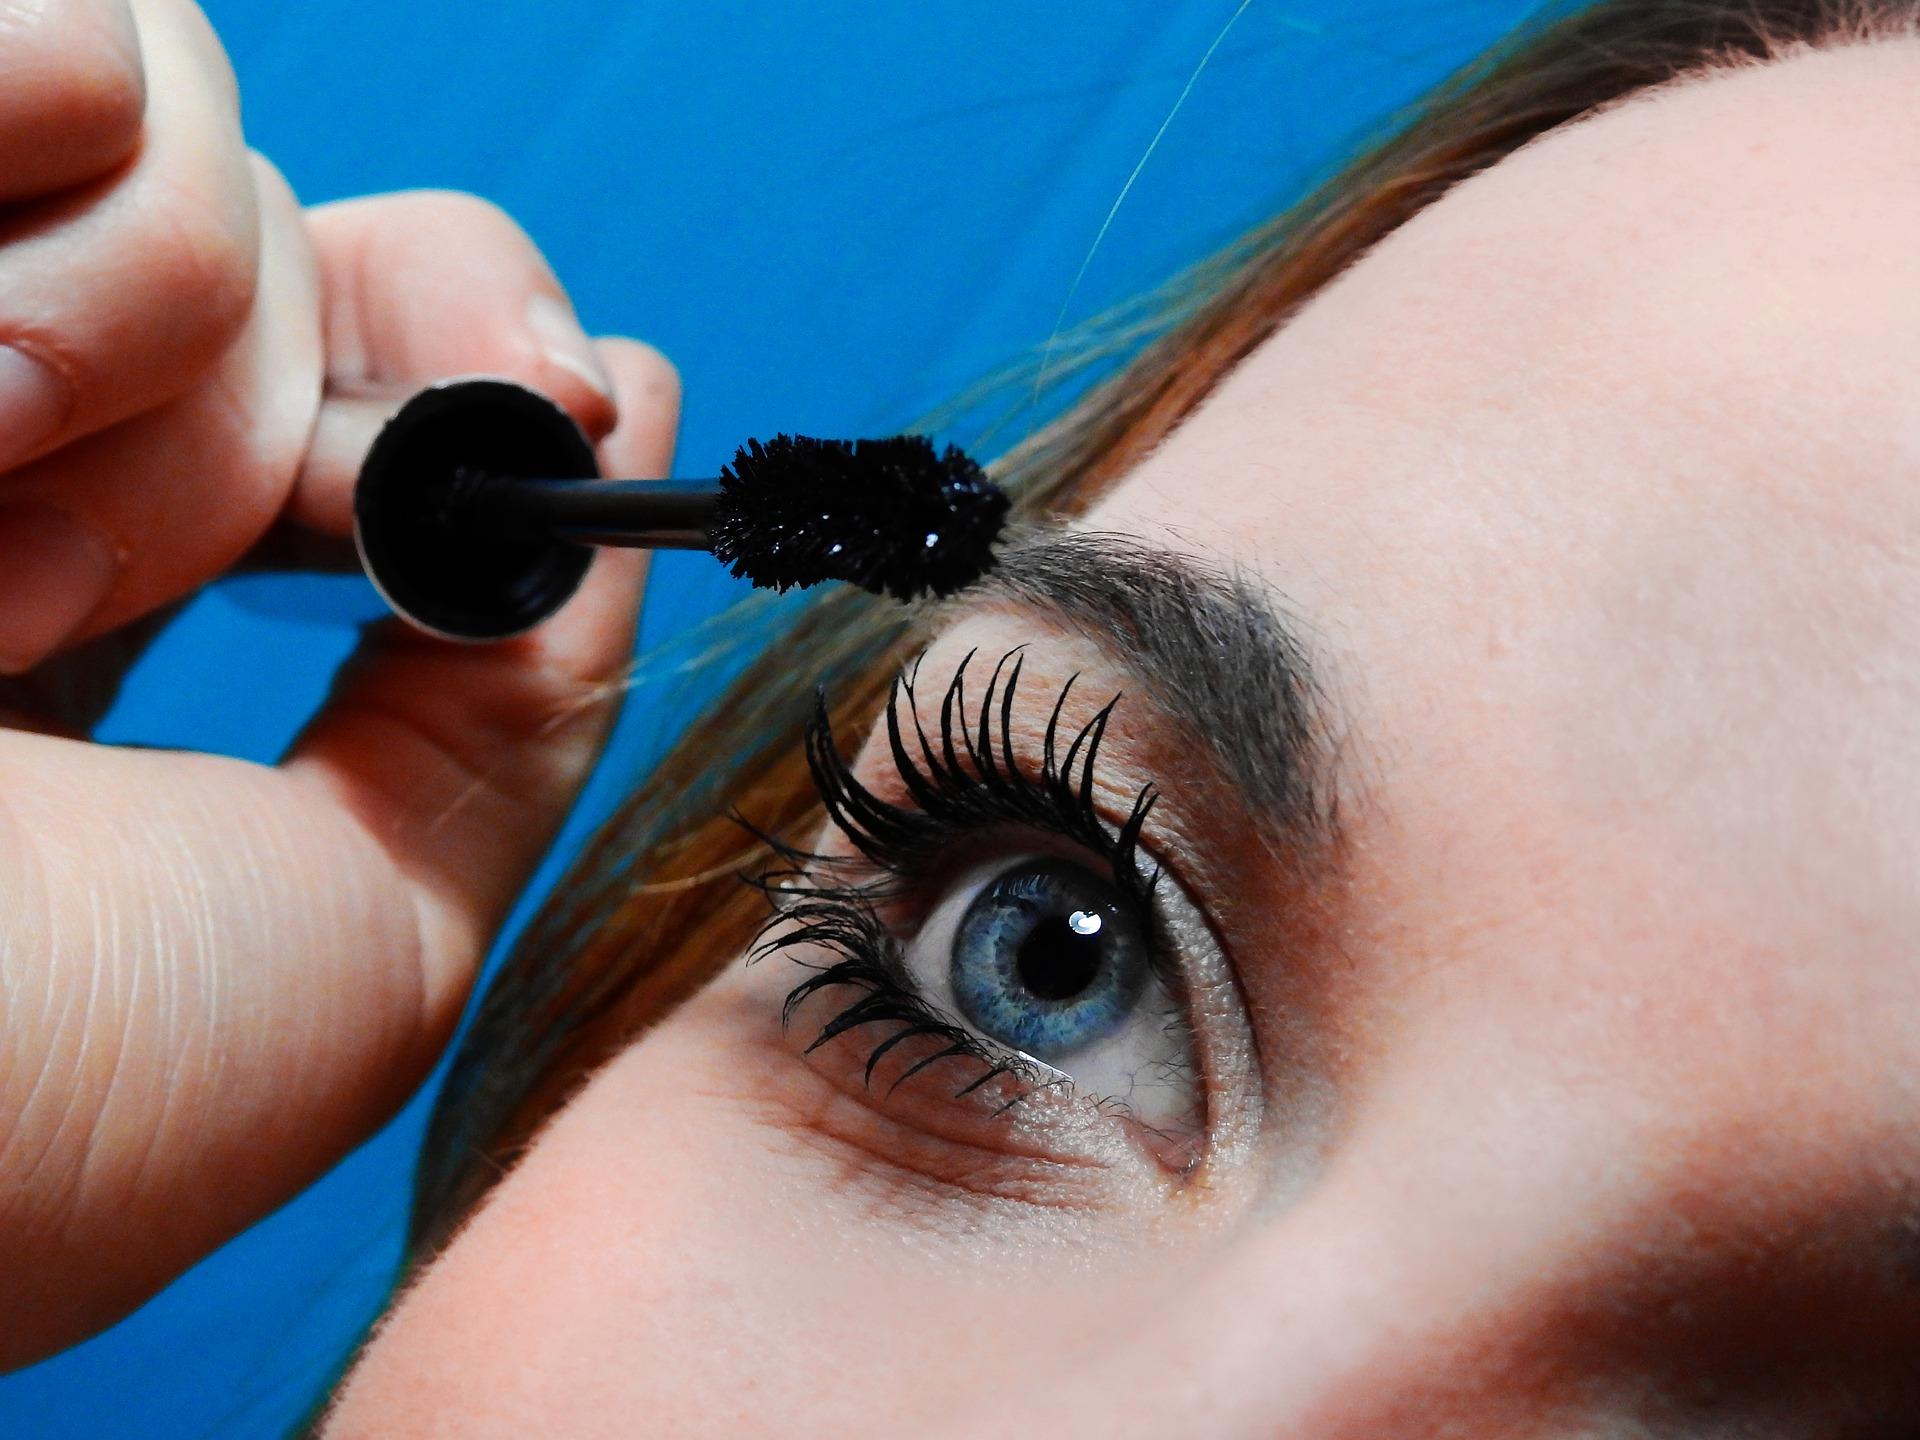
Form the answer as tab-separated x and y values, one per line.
1223	830
1221	655
975	758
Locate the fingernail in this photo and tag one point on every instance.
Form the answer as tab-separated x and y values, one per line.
54	572
566	344
33	403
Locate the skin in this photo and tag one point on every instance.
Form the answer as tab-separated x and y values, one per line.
1572	1098
1586	1106
217	977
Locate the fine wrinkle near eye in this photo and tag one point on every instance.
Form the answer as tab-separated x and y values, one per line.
991	934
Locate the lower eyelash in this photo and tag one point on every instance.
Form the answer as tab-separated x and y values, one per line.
868	965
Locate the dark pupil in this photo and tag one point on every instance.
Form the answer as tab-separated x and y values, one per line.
1055	961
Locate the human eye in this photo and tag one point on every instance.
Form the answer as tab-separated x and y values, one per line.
988	917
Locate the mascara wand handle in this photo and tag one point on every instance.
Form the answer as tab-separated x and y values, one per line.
637	514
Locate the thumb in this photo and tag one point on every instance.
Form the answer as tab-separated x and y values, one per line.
462	760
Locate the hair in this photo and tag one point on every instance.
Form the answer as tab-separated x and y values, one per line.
654	906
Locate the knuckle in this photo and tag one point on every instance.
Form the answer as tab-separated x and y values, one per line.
203	253
474	226
469	215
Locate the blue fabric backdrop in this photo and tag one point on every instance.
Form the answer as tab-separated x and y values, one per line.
833	216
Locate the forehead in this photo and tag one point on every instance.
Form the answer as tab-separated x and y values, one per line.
1713	287
1600	481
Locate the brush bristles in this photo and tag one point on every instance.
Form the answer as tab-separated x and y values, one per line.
892	516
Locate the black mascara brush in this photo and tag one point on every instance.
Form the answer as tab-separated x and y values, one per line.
478	508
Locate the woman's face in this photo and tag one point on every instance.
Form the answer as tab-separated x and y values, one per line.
1528	1039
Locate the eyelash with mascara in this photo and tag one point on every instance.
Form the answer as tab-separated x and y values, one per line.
963	781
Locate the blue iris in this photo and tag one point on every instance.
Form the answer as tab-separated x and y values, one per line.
1049	959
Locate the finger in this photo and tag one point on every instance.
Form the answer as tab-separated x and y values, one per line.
120	523
463	759
119	295
71	95
163	1092
419	287
67	697
648	390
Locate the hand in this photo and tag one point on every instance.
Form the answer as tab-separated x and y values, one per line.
216	978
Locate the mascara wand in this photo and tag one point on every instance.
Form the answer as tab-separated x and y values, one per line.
479	506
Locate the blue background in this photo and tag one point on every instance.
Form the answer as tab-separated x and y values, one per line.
833	216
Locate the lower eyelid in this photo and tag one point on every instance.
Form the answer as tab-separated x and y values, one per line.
896	1154
969	1140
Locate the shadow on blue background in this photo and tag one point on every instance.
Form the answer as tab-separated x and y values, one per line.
832	216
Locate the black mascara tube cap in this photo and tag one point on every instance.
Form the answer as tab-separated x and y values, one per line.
449	567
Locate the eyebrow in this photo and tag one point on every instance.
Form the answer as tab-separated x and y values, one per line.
1210	646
